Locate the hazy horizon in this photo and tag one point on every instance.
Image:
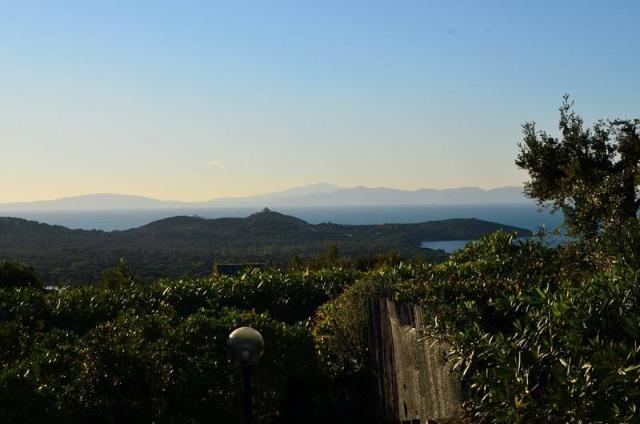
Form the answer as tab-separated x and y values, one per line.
311	186
211	100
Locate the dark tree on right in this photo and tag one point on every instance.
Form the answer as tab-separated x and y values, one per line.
591	174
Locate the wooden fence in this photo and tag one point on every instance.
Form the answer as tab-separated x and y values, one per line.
414	382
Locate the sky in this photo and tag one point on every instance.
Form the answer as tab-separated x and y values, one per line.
194	100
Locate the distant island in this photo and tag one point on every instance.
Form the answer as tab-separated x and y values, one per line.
313	195
190	245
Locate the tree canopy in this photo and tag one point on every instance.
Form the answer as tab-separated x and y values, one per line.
591	174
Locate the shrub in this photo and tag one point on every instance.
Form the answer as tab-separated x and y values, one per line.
15	274
572	357
157	352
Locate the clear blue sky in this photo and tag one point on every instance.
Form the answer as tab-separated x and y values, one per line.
200	99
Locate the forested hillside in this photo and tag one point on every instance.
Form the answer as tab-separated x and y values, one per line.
184	245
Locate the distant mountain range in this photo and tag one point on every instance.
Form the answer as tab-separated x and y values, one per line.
311	195
187	245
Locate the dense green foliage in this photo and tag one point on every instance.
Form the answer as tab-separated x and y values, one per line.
179	246
116	277
157	352
538	334
591	174
14	274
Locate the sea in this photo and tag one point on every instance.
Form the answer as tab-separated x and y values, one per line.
524	215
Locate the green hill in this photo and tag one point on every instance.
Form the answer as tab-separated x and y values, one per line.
184	245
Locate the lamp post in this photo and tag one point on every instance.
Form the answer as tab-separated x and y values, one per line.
246	346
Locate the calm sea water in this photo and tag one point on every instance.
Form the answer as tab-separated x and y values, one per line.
521	215
453	245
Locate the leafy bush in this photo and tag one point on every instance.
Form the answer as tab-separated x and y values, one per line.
157	352
340	333
571	357
154	368
540	334
15	274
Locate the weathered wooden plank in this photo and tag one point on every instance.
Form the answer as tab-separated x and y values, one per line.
414	379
